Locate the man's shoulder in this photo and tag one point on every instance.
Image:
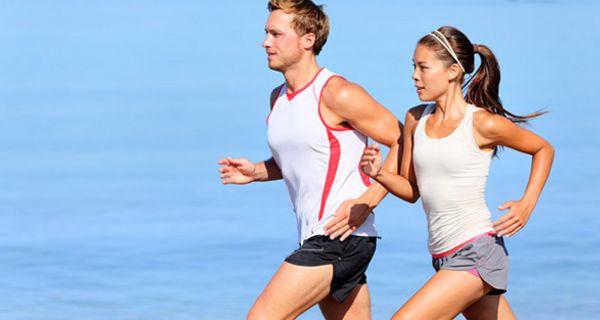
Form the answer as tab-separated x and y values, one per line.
276	90
339	91
275	94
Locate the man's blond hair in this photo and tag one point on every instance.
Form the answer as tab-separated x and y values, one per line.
307	18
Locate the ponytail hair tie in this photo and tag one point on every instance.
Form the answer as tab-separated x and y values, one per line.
475	48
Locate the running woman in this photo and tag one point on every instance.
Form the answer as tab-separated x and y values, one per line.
448	147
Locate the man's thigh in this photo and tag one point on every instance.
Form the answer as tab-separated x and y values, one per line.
292	290
357	305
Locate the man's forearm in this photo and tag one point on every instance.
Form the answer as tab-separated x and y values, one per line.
267	170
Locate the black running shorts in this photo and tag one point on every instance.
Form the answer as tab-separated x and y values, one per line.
350	259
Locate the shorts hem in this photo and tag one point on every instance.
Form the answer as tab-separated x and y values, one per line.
496	289
349	260
299	263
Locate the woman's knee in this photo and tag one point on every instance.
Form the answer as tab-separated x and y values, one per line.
258	312
404	314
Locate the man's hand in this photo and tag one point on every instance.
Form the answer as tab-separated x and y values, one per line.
236	171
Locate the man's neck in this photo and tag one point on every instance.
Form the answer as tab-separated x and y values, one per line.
300	74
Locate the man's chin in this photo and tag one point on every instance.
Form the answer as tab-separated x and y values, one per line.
275	67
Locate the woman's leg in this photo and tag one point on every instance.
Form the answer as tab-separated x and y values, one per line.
444	296
490	307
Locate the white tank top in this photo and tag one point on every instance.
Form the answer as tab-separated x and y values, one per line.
320	165
451	174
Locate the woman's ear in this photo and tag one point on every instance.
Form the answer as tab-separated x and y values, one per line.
454	72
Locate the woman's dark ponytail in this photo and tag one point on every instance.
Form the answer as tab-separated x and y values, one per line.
483	88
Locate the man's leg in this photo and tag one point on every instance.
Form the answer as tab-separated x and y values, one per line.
292	290
357	305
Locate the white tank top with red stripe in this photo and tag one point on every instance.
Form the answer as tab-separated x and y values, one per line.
320	165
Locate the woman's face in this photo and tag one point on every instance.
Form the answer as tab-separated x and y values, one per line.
431	75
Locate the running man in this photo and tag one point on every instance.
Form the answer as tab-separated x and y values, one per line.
318	128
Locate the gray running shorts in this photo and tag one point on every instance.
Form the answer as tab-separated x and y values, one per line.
487	255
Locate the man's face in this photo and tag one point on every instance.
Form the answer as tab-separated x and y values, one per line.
282	44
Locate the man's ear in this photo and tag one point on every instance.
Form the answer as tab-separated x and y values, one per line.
308	41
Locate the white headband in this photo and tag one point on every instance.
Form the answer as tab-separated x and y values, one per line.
444	42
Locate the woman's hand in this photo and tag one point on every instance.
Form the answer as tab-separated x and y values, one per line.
513	221
370	162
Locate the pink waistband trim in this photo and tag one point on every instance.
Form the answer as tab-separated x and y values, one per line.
458	247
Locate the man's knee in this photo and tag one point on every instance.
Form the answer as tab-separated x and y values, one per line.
263	310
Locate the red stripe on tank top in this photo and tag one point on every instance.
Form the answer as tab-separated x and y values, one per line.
291	96
275	101
319	106
334	160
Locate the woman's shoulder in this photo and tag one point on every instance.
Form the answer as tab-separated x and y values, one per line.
415	113
487	122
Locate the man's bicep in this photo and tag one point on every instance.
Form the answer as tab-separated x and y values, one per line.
378	124
352	104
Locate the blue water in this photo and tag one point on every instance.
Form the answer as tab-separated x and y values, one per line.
114	113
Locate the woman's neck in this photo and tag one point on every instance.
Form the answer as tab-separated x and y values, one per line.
452	104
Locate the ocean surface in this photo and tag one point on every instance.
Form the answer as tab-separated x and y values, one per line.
113	115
